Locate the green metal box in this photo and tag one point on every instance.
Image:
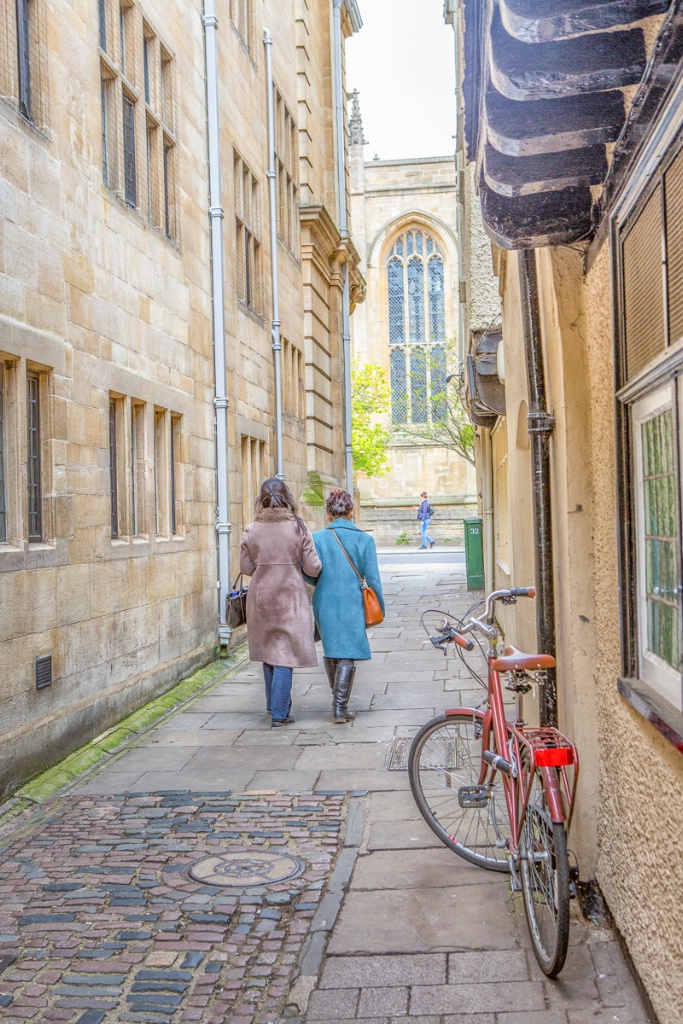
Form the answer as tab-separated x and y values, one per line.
474	553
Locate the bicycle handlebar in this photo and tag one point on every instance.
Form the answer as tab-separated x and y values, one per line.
484	622
448	633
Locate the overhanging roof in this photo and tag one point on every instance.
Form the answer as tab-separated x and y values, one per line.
547	87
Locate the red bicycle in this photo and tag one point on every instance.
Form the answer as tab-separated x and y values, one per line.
499	792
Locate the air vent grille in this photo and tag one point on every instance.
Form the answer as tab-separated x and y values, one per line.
43	671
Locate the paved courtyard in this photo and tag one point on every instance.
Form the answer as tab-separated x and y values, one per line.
218	871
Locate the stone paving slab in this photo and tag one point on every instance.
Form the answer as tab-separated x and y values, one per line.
416	933
102	915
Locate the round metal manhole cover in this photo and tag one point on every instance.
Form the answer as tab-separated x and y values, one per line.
246	868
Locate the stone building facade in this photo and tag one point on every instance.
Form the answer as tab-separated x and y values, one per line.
405	215
107	448
577	175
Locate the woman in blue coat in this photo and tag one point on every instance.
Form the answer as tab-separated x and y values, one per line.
337	601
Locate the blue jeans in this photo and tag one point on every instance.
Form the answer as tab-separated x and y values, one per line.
278	690
424	526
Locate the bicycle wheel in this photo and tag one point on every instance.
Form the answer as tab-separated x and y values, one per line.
545	882
444	768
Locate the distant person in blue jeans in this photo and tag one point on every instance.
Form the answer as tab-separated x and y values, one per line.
424	515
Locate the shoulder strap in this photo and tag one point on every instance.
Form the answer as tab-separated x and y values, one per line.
334	532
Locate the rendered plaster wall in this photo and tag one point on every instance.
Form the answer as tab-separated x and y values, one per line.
388	196
560	274
517	570
639	867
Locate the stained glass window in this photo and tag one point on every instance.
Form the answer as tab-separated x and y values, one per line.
416	301
438	370
418	385
437	315
395	274
399	396
415	272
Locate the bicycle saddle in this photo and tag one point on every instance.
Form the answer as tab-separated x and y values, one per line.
514	660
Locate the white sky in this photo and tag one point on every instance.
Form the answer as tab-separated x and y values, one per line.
402	63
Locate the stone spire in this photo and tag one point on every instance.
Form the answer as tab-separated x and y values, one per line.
356	137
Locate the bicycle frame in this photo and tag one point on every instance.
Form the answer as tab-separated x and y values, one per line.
526	750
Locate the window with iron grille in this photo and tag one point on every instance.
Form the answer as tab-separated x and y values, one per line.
3	506
35	497
650	374
242	17
417	328
23	59
248	236
138	115
286	163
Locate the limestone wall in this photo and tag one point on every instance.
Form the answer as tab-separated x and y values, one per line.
97	300
100	303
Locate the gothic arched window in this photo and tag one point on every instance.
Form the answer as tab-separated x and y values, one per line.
417	328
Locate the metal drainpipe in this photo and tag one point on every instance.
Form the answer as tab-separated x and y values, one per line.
275	323
540	427
344	232
217	298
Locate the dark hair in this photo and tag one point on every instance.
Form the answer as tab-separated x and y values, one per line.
339	504
276	494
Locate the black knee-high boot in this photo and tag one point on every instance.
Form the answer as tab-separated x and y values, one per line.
343	684
331	668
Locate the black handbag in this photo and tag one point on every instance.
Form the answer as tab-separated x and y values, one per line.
236	604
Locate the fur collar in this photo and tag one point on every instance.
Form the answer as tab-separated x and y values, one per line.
274	515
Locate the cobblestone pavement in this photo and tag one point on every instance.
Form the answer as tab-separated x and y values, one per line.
383	925
106	922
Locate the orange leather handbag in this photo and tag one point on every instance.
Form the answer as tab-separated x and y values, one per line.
371	605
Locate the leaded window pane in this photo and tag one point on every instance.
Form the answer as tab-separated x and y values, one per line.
3	515
399	397
437	366
418	386
395	281
416	308
437	315
418	379
661	540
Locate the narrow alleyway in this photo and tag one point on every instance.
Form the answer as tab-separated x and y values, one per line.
337	904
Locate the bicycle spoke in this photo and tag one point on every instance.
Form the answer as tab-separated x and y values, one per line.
444	770
545	882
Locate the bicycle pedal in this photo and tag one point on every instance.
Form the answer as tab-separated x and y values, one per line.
515	880
473	796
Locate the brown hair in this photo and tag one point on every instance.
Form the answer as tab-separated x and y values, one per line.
276	494
339	504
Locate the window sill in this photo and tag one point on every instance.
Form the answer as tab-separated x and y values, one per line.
665	718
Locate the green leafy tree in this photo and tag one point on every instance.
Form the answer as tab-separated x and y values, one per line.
370	396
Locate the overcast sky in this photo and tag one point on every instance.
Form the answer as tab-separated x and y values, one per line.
402	63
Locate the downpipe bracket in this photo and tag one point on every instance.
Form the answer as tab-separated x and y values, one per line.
540	423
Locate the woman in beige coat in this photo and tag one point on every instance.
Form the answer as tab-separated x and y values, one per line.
276	549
